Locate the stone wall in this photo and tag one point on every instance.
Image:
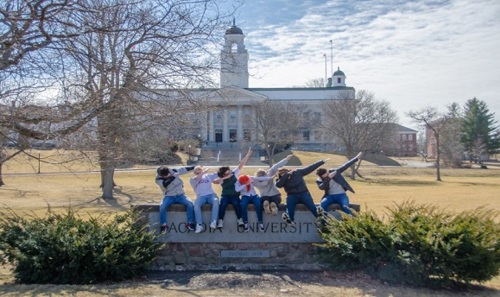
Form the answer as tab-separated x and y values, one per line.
280	246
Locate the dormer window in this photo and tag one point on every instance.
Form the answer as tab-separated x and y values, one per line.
339	80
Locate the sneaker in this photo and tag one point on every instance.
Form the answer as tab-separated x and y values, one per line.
292	224
220	223
320	211
163	229
240	222
199	228
246	227
261	227
286	218
274	208
190	226
213	225
266	207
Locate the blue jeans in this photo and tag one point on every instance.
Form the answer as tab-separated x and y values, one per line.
206	199
179	199
257	202
225	201
305	198
340	199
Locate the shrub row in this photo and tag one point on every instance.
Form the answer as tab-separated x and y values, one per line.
66	249
419	245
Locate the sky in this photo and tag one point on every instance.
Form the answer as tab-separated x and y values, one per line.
413	54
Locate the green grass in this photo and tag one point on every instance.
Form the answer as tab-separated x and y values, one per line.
381	187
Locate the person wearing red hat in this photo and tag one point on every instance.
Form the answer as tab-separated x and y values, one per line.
248	195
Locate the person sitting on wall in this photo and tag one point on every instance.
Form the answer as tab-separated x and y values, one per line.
292	181
172	187
269	193
248	195
229	195
335	186
205	194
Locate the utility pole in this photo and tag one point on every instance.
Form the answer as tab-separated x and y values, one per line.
326	70
331	54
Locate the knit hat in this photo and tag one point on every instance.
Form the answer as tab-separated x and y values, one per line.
245	180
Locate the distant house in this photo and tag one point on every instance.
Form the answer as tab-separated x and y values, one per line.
406	141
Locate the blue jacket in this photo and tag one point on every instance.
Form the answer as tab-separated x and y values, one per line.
324	184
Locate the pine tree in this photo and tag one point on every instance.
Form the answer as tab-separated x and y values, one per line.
478	130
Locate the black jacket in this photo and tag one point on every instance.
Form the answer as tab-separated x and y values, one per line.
293	183
324	184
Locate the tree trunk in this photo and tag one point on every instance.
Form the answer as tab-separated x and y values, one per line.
356	168
438	158
1	175
107	179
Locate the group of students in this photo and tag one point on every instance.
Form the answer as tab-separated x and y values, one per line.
235	185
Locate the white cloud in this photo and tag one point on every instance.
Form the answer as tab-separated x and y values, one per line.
412	53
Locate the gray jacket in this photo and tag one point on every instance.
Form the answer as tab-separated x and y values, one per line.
173	185
267	188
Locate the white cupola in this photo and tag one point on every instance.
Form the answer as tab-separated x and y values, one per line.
338	78
234	59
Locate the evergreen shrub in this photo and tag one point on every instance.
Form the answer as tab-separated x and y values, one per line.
66	249
417	244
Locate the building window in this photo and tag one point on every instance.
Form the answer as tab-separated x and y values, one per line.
232	117
232	135
247	135
306	135
317	136
317	117
218	116
339	80
410	137
305	117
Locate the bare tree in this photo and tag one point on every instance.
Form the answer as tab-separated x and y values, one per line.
436	124
111	61
452	149
146	45
315	83
277	124
358	123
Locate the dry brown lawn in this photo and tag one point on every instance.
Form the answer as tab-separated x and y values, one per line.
70	184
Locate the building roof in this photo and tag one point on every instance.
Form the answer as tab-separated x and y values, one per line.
234	29
339	72
400	128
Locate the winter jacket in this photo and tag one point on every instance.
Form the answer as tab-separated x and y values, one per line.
324	184
173	185
293	183
267	188
228	184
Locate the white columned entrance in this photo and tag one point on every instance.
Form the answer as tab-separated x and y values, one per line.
211	132
240	122
225	129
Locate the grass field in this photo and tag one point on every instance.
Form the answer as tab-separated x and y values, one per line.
74	182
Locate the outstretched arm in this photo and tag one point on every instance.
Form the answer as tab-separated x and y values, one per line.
274	169
348	163
312	167
245	159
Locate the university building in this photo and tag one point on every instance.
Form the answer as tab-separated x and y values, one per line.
229	124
